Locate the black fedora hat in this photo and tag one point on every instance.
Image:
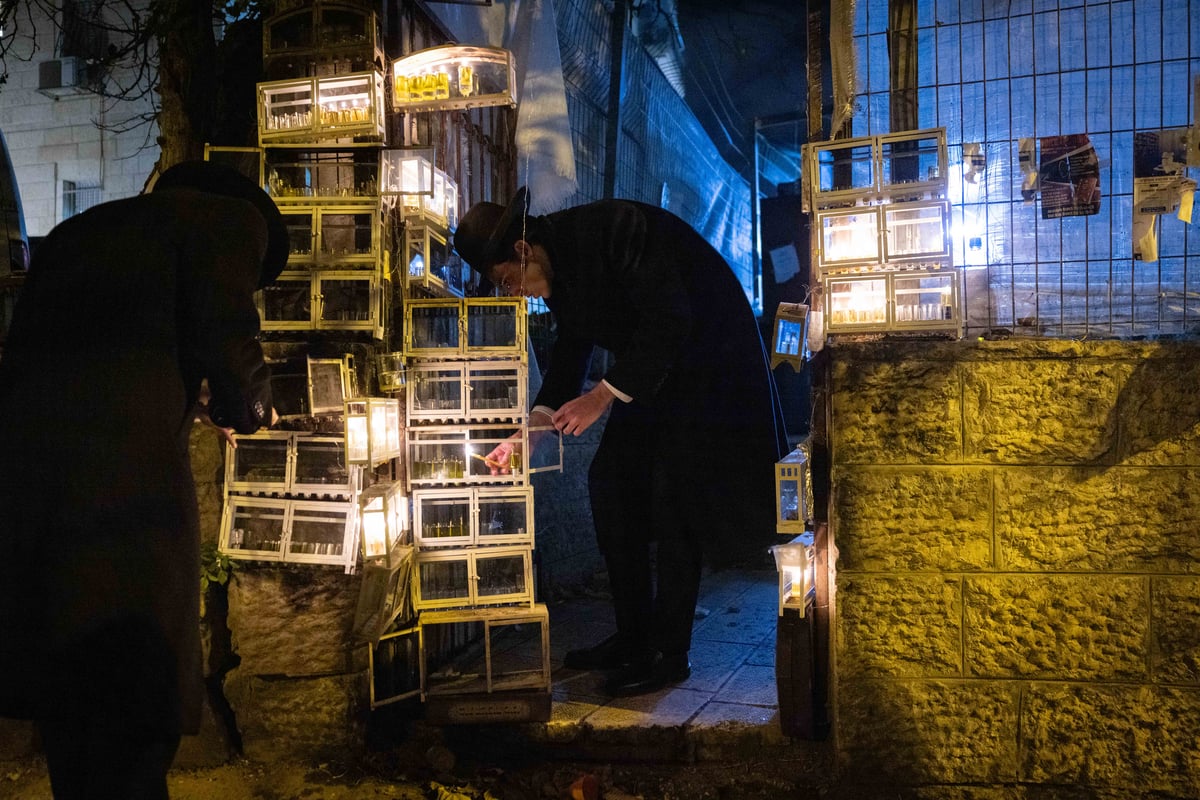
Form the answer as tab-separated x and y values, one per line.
486	228
214	178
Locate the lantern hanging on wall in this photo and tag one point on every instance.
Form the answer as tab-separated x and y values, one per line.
790	341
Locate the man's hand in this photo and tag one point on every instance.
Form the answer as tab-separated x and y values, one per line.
576	416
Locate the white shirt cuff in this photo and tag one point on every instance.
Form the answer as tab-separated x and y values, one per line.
624	398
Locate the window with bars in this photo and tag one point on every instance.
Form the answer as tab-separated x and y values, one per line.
77	198
993	74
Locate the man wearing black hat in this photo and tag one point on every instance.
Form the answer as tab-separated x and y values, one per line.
128	308
693	430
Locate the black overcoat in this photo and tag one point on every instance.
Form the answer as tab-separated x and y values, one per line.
127	307
641	283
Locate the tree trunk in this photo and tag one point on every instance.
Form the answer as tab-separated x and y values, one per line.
186	81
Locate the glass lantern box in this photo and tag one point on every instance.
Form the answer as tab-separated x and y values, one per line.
496	327
432	262
475	327
322	175
472	516
848	239
793	484
292	463
323	31
407	173
914	300
284	529
794	562
515	655
452	77
456	455
476	391
384	523
287	304
347	236
305	110
473	577
374	430
438	391
348	300
790	337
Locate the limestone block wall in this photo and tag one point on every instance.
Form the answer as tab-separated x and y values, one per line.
1017	576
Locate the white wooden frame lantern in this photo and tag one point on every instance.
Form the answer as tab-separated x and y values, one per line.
384	596
384	523
289	530
346	300
795	565
406	173
916	234
913	164
374	430
289	463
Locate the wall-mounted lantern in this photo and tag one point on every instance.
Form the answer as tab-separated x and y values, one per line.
794	561
790	340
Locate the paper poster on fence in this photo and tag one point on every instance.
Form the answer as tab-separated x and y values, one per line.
1068	176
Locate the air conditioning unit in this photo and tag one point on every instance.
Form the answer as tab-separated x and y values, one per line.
61	76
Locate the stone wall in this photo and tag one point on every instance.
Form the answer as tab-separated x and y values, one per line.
1017	526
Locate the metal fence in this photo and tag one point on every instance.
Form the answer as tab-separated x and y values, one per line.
995	73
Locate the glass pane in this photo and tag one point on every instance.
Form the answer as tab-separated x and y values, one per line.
491	326
260	460
444	518
345	300
318	531
256	528
435	327
444	580
503	575
502	516
437	389
321	461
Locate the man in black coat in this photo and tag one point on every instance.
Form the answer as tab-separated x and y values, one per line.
128	308
694	426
